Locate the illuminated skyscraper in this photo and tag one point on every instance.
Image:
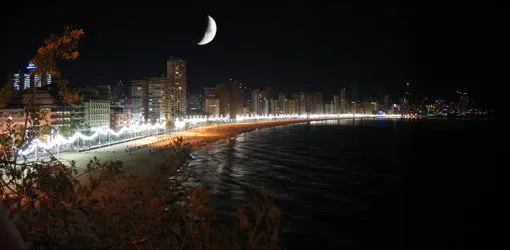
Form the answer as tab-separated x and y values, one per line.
153	101
16	82
21	81
176	89
26	81
162	97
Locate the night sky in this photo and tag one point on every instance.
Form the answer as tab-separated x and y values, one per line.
436	47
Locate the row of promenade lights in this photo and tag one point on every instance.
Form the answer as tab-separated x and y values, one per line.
55	140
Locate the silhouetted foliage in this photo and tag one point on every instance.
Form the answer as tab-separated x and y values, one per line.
55	207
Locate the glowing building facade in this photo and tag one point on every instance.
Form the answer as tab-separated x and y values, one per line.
175	89
22	81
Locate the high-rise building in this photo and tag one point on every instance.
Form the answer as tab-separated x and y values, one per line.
97	113
149	100
319	105
289	107
247	100
195	104
257	101
135	101
405	98
265	106
176	88
212	106
26	81
462	102
157	100
119	91
301	104
231	97
163	97
280	104
273	106
310	103
21	81
344	102
270	93
16	81
328	108
404	105
388	103
336	104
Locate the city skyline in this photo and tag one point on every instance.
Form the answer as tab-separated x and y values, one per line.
299	125
379	46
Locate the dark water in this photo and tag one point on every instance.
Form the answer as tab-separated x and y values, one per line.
360	184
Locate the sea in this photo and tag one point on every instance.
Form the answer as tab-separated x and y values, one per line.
361	183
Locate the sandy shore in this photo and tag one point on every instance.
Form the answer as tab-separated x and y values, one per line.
204	135
143	161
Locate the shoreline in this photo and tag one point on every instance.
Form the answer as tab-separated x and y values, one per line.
145	158
202	136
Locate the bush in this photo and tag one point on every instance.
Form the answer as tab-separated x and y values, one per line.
55	207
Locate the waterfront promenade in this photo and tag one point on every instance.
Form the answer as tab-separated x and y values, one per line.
142	155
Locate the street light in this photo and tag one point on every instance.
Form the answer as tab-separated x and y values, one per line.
58	144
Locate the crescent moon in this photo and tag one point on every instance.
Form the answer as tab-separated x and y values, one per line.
210	32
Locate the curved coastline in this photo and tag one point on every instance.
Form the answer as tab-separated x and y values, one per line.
145	158
202	136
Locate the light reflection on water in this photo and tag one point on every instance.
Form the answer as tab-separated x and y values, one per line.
321	174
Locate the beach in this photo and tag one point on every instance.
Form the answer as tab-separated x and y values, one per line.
141	156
